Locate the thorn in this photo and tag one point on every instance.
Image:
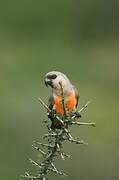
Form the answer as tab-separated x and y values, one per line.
41	151
44	105
62	156
84	123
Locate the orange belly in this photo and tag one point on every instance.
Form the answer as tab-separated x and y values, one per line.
70	104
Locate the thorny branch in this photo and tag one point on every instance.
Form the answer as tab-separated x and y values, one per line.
53	147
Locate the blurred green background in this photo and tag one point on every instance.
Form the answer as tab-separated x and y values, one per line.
79	38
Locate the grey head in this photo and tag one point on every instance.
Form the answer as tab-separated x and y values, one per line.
54	78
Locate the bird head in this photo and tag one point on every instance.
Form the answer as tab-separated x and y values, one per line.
54	78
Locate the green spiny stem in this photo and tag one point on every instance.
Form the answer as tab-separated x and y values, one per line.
54	145
63	100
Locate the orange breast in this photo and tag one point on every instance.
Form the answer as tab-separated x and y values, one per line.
70	104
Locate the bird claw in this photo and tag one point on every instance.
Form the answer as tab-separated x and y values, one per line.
51	115
77	115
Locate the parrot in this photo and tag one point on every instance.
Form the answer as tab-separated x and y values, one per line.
54	79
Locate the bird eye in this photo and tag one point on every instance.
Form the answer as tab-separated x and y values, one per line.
52	76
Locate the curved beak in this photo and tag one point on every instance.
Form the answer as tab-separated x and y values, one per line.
48	82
